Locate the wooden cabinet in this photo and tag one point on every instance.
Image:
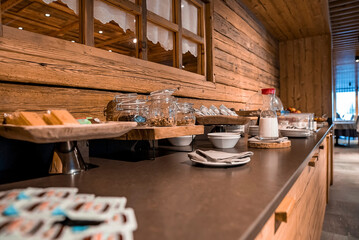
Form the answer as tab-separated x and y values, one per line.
300	215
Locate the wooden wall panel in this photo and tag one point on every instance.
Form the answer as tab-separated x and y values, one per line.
81	102
38	67
246	56
305	74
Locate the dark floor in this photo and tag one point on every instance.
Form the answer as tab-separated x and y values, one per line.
341	220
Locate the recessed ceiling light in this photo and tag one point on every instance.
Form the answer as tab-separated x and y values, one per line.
100	31
72	40
356	58
110	50
134	40
20	28
182	6
47	14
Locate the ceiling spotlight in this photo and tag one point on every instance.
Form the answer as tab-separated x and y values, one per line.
72	40
100	31
135	40
47	14
20	28
357	59
110	50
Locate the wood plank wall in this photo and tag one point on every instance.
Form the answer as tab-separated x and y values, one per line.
39	72
306	74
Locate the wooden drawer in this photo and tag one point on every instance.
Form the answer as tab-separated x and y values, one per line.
301	213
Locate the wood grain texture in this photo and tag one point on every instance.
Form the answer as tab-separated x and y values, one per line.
156	133
288	20
309	193
245	59
305	80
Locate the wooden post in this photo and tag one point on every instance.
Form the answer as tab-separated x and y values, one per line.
209	41
143	31
87	22
177	57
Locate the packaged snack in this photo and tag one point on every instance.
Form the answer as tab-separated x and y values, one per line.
51	193
100	208
11	195
124	218
35	208
105	233
20	227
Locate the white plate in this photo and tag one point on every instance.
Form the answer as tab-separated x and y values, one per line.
223	164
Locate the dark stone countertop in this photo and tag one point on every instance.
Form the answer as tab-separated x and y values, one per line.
176	199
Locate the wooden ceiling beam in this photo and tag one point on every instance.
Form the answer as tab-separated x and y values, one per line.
346	44
345	29
348	22
108	42
65	29
9	4
336	3
29	21
345	17
345	12
344	7
126	5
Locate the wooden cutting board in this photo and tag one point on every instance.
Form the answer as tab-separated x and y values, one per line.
283	144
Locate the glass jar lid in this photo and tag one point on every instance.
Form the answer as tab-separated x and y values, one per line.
125	97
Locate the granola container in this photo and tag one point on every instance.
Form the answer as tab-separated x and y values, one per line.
185	114
162	109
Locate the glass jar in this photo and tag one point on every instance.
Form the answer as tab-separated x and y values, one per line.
125	97
185	114
163	109
268	122
133	111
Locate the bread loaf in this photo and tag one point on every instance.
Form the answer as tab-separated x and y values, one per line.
63	116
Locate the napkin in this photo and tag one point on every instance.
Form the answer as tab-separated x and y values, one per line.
257	139
218	156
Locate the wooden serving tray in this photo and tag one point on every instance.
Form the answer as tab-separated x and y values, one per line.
156	133
222	120
283	144
63	133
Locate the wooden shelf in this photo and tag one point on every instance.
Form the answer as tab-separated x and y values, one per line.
156	133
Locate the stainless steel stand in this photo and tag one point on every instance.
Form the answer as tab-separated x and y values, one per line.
67	159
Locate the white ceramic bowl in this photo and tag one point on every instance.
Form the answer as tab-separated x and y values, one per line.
224	139
181	141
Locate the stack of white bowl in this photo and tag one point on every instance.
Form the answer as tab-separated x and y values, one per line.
253	130
182	140
224	139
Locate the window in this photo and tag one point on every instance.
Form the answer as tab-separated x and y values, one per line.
346	91
168	32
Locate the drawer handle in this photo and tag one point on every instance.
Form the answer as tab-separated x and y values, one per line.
313	160
284	209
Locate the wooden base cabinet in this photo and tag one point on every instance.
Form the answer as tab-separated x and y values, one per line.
300	215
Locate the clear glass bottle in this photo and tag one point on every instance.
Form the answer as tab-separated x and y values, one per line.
268	122
133	111
185	114
163	109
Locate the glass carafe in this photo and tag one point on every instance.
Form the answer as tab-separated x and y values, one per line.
268	122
